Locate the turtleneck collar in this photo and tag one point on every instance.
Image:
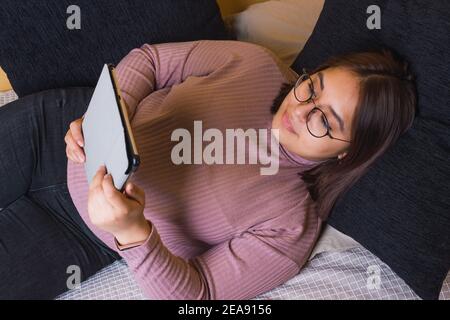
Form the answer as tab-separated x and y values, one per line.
291	159
294	159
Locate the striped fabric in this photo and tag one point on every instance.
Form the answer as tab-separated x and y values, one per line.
220	231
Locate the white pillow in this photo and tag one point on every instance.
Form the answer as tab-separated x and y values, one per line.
282	26
333	240
7	97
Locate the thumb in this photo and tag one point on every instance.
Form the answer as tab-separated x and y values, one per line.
114	197
135	192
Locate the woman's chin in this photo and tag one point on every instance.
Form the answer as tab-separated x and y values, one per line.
288	135
286	139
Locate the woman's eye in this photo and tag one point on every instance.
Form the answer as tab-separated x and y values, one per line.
311	91
325	124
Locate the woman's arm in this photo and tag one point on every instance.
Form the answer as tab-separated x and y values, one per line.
241	268
248	264
153	67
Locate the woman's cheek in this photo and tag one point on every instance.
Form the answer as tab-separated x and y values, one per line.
307	147
299	145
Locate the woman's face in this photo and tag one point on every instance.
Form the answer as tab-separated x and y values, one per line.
336	91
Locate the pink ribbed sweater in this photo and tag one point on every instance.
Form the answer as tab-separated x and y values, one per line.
219	231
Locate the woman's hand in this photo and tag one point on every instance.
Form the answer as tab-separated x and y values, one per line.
121	214
75	142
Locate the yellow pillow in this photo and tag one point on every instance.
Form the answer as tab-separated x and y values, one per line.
4	82
228	7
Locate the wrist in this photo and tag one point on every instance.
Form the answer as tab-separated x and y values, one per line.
134	234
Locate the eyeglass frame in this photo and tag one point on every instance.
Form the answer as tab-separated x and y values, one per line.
316	108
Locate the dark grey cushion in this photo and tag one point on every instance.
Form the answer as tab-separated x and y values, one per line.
400	210
39	52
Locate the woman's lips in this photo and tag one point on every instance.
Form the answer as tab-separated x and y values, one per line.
287	123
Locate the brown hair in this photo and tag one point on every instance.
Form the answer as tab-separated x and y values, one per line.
385	110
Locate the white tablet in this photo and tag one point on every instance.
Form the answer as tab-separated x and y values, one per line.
108	138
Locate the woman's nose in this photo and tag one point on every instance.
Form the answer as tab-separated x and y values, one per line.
301	111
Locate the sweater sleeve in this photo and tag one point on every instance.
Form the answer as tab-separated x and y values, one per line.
153	67
240	268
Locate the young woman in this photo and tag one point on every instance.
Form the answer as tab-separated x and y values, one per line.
196	231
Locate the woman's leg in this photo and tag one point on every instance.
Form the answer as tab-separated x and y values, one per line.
41	233
32	147
43	249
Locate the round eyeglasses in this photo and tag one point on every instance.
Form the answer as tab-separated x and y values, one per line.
316	121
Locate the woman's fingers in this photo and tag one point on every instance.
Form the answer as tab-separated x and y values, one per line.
70	155
77	134
73	150
114	197
97	180
135	192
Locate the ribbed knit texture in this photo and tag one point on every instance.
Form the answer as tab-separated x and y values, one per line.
220	231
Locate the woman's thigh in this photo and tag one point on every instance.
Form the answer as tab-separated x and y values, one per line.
43	242
32	147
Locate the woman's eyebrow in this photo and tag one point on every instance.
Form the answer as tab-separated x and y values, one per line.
338	118
320	74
